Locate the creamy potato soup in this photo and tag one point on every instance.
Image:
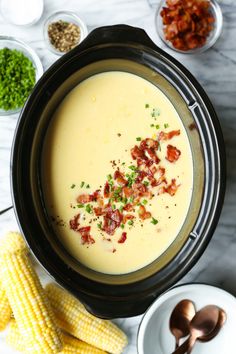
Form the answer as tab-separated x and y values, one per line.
117	172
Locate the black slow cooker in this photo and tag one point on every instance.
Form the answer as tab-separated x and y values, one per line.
128	49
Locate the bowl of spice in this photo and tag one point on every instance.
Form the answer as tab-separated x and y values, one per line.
189	26
20	68
63	31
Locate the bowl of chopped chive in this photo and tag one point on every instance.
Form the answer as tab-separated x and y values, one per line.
63	31
20	68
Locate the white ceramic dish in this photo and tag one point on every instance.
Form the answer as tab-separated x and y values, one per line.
154	336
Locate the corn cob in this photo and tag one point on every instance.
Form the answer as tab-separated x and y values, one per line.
72	345
74	319
27	298
5	309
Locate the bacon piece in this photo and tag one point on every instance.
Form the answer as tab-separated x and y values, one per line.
84	198
106	191
167	136
141	176
98	211
128	217
138	154
128	207
112	220
171	189
119	177
86	238
74	223
123	237
173	153
143	214
128	192
139	189
96	195
149	143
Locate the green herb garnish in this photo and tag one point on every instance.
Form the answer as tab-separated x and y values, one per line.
166	125
82	184
99	225
130	222
152	125
88	186
154	221
72	186
80	205
146	105
88	208
146	183
138	138
144	202
155	112
17	78
157	126
122	226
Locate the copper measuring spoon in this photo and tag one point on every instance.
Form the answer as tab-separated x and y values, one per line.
180	320
202	326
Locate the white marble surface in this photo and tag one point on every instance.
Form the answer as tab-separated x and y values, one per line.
216	71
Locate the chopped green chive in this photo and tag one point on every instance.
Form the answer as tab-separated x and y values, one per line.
157	126
124	200
80	205
122	226
146	183
130	222
133	168
154	221
99	225
72	186
144	202
88	208
82	184
131	199
138	138
113	206
109	177
152	125
146	105
123	163
121	208
88	186
155	112
166	125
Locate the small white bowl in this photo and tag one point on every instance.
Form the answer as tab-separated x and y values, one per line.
154	336
67	16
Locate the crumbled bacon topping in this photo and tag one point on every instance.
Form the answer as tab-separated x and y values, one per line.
143	214
167	136
129	190
123	237
74	223
173	153
86	238
187	23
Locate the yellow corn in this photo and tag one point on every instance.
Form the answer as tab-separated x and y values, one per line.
74	319
27	298
5	309
72	345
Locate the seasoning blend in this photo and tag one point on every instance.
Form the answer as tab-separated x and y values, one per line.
63	31
22	12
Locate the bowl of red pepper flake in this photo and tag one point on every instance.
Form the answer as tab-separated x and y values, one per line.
189	26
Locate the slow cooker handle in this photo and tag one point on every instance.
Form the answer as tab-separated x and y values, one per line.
118	34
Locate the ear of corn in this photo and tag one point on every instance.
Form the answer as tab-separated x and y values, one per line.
27	298
74	319
5	309
72	345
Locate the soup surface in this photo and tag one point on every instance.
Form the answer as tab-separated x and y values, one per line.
117	172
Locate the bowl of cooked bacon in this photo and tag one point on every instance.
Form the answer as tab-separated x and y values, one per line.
189	26
126	49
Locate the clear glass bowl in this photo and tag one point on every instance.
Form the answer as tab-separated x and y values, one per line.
66	16
211	39
13	43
